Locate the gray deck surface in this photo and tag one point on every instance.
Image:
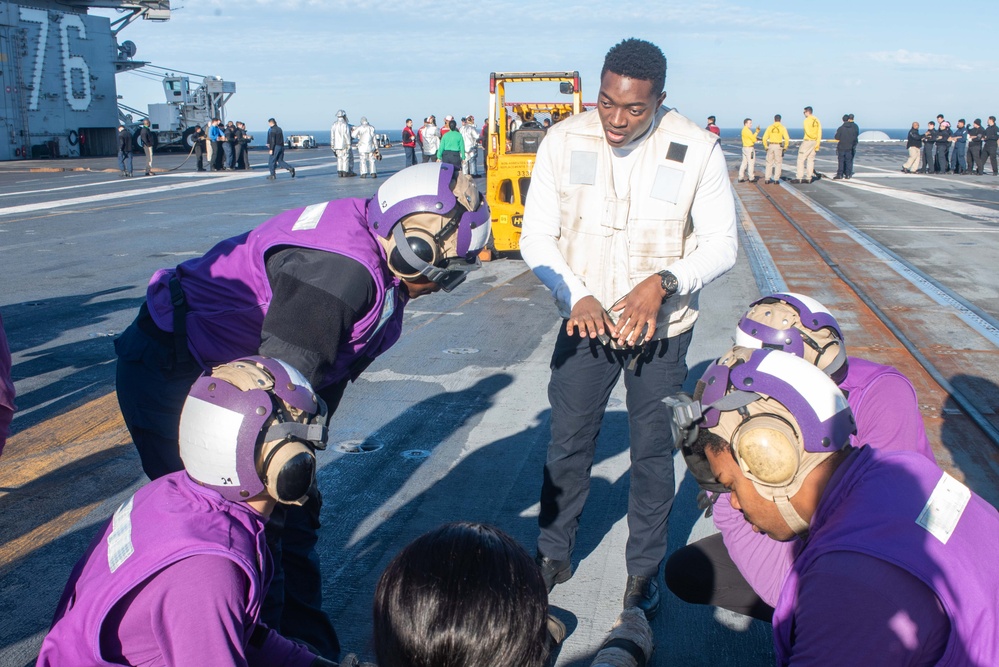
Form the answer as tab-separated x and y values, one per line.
456	412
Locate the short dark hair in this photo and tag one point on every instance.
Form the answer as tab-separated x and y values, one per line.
271	120
977	121
409	120
777	117
940	115
464	595
931	123
746	120
809	109
711	118
851	116
992	118
637	59
706	440
452	124
846	117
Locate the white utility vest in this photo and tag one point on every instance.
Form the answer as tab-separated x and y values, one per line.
613	243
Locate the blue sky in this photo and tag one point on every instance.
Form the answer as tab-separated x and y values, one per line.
889	63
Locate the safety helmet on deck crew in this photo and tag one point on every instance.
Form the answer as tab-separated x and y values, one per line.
432	222
780	416
252	426
797	324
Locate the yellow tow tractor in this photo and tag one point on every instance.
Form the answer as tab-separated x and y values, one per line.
515	129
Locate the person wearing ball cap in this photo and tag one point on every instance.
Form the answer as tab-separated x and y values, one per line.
891	571
179	574
887	414
322	287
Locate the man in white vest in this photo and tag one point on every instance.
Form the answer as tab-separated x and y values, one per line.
630	213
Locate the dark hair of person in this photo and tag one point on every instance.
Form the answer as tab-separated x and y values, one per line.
637	59
462	595
706	440
777	117
269	120
452	125
808	109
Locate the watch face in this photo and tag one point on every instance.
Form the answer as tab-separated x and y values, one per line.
669	283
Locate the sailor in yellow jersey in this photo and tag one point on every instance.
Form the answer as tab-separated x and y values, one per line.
775	142
809	145
749	137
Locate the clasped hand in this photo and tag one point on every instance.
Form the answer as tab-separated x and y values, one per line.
639	310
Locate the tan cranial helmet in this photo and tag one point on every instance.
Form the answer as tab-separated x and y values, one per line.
252	426
432	223
792	419
797	324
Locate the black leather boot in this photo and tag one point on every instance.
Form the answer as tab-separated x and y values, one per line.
553	571
642	592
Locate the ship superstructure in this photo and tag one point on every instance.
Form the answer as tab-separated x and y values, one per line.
57	70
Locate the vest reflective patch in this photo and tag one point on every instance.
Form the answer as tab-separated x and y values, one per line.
120	538
388	310
582	168
310	217
944	508
666	187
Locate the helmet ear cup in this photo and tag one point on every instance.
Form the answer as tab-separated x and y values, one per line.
768	448
423	245
288	470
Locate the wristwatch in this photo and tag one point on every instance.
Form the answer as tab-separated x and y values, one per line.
669	283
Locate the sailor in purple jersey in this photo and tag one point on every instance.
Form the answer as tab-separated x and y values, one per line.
7	406
892	568
178	575
886	410
322	288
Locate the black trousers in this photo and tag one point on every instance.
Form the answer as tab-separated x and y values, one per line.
844	163
199	155
977	159
277	160
990	153
217	155
152	387
583	374
927	158
704	573
943	162
410	158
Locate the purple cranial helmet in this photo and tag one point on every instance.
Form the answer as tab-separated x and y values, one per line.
818	407
253	425
780	415
431	221
797	324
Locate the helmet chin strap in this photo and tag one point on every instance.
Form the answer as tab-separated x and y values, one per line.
791	516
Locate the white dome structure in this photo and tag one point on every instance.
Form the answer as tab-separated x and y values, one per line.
873	135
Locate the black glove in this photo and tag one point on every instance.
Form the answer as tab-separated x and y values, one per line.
707	502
